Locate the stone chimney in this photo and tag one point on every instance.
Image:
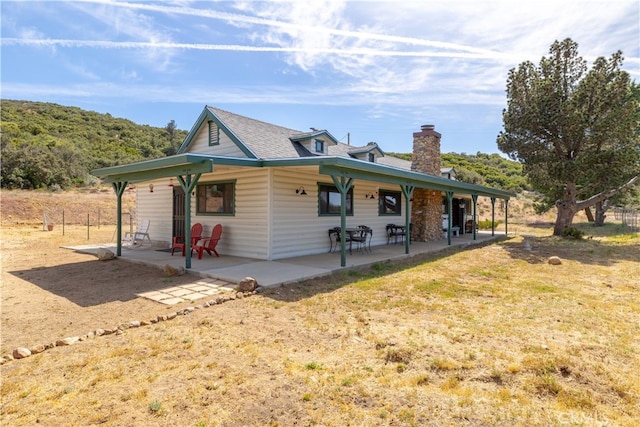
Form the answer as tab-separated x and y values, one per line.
426	208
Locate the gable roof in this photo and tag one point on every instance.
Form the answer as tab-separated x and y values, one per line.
262	140
370	147
315	134
267	145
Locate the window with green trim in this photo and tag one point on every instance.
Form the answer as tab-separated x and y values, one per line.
319	146
329	200
215	198
389	202
214	133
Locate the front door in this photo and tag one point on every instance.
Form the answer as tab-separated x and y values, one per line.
178	211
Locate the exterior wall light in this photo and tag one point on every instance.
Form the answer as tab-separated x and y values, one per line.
300	191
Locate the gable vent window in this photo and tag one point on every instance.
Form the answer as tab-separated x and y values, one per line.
319	146
214	133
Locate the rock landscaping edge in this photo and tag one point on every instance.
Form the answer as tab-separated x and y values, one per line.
23	352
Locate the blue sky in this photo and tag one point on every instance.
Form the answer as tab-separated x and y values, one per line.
375	71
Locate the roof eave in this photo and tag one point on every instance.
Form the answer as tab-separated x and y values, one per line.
183	163
365	169
178	164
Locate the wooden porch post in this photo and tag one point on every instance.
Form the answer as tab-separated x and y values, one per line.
343	184
407	190
506	216
119	188
474	224
449	216
188	184
493	216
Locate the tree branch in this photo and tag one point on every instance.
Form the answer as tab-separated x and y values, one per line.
605	195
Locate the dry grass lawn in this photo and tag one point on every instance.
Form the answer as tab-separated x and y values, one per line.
487	336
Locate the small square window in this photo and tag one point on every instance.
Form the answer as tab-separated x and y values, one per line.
319	146
389	203
329	200
216	198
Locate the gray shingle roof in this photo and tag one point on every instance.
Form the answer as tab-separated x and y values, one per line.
270	141
266	140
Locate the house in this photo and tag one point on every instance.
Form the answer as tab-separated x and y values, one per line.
277	191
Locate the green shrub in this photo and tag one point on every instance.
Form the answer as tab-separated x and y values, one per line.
572	233
155	407
485	224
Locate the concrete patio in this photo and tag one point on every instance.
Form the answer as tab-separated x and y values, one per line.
291	270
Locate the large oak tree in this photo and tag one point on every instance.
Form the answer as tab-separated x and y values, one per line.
574	130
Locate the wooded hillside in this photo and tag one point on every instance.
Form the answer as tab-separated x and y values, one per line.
47	145
491	170
51	146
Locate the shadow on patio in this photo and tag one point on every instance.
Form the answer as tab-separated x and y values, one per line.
292	270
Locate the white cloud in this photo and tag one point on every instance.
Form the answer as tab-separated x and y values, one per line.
118	22
373	53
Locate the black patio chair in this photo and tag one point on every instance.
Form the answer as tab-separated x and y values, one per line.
334	238
363	237
394	231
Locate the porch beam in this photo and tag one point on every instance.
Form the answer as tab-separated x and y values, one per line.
171	171
374	172
376	177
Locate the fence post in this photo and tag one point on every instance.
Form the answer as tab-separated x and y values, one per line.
63	222
87	226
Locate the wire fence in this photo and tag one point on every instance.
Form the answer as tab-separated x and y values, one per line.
629	217
58	220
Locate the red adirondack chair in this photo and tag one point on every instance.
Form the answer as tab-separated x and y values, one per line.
179	242
209	244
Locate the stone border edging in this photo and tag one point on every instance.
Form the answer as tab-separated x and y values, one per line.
23	352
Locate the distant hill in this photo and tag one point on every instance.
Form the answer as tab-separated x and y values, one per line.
46	145
491	170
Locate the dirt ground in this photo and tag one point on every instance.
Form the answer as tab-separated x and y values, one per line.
49	293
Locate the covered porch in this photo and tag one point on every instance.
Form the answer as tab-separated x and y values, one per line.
291	270
188	168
